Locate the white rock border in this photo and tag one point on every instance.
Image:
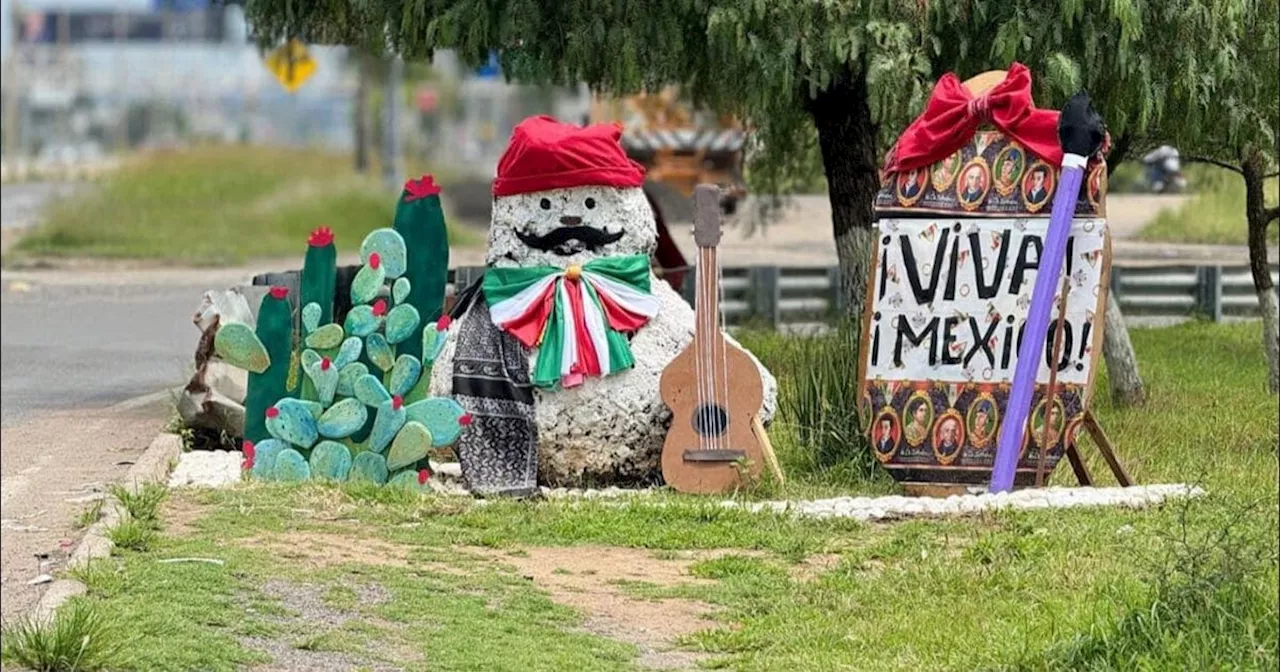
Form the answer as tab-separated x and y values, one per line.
894	507
151	467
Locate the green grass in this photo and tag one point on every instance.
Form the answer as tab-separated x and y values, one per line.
217	205
1186	585
143	505
1215	213
78	639
133	535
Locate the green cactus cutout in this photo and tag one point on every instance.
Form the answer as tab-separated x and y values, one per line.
275	331
370	390
320	273
410	445
370	467
386	424
348	376
348	352
264	458
292	422
390	248
291	467
379	351
310	317
342	419
361	321
236	343
404	375
326	337
402	324
420	221
400	290
411	480
324	378
331	460
442	416
368	280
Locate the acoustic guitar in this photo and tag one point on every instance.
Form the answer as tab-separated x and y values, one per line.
713	388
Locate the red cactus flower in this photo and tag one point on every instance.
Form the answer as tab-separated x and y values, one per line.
443	323
320	237
465	419
397	401
423	476
379	308
279	292
420	188
249	453
375	260
325	364
273	412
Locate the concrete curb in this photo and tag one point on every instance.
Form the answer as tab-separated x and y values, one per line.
152	466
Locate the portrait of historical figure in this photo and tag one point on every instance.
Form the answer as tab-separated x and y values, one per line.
984	420
911	185
1037	186
974	182
886	434
1096	185
1057	420
944	172
919	418
948	437
1008	168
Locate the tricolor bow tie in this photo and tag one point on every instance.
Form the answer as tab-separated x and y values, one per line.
575	316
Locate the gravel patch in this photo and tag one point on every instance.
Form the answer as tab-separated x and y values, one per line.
896	506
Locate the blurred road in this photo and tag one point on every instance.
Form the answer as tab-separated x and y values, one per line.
23	201
76	353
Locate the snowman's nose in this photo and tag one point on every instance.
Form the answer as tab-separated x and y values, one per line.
570	221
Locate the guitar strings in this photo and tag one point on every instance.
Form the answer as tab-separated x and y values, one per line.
699	352
724	352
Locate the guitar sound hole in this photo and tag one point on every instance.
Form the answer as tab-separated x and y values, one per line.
710	420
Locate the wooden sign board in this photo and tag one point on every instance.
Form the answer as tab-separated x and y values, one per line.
945	312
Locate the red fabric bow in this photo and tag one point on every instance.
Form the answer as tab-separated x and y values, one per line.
952	116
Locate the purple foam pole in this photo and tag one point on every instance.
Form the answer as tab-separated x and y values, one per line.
1032	350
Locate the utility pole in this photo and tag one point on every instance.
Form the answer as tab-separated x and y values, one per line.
392	168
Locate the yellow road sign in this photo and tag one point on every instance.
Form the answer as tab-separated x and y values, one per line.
291	64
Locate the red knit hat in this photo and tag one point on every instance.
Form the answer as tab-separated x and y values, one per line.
546	154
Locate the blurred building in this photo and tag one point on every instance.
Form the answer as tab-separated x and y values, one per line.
90	76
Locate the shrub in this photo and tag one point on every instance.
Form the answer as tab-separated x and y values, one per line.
78	638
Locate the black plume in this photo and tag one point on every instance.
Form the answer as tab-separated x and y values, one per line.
1080	128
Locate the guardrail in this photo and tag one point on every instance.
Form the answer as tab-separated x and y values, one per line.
23	170
801	297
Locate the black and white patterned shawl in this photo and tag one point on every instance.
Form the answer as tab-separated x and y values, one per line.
498	451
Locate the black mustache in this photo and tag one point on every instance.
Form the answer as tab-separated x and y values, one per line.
590	236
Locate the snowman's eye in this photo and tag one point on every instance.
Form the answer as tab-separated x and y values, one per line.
546	204
591	203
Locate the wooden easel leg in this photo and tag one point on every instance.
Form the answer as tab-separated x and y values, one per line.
1077	465
1108	451
770	458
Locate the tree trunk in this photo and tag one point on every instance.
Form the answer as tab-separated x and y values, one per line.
1259	217
847	138
363	120
1122	362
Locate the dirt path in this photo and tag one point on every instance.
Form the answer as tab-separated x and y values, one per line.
54	466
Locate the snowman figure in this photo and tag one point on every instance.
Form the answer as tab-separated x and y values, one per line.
559	349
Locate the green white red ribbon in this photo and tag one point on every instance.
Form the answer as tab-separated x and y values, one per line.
576	317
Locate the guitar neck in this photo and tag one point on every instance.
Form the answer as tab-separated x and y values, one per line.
707	303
